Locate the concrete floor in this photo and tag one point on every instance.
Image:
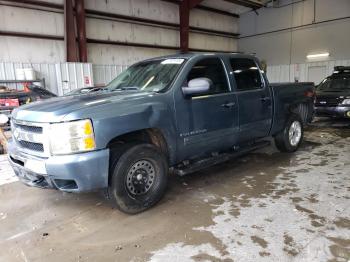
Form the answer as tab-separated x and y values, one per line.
265	206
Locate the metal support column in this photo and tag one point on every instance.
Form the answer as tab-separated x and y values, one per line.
184	13
69	32
81	26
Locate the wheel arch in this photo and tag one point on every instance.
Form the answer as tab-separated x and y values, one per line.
153	136
303	110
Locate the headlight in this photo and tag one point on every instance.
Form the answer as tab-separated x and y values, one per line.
346	102
71	137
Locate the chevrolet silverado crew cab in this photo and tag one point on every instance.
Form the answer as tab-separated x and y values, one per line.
171	114
333	94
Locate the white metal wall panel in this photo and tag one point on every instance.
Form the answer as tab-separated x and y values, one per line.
28	20
59	78
103	74
280	47
300	72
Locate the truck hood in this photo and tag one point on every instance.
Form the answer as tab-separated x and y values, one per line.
55	109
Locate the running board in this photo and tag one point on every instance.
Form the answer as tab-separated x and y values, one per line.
211	161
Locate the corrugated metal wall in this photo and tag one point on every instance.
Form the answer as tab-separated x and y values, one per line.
103	74
59	78
301	72
28	18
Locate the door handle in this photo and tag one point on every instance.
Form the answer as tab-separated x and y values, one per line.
228	104
265	98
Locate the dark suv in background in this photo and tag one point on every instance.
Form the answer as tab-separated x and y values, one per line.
333	94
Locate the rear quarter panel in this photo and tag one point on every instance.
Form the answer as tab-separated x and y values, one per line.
286	96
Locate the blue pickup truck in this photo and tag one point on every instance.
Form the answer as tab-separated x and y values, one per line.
174	114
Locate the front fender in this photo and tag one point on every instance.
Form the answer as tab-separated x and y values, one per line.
113	120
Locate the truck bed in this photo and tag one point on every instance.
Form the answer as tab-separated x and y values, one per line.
285	96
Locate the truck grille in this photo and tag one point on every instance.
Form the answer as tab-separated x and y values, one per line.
328	101
30	137
33	129
32	146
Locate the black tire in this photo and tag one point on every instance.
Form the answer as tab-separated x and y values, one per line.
138	177
283	140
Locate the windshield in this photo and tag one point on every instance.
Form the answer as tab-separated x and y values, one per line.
335	84
151	76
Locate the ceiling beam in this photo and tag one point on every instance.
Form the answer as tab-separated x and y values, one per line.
246	3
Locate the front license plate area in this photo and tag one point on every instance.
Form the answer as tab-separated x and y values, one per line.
27	176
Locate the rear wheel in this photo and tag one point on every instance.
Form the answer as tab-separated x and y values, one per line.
291	137
138	178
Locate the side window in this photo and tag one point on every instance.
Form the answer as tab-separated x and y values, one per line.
213	69
246	74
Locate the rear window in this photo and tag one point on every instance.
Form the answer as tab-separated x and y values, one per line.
246	73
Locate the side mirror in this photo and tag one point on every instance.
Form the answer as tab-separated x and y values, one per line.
3	119
197	86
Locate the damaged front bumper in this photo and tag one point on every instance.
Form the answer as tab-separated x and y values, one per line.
69	173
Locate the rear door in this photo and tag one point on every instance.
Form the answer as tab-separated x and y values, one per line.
254	99
209	121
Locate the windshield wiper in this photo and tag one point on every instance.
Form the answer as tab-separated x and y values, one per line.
129	88
125	88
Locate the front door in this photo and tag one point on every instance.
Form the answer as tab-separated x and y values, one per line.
254	99
207	122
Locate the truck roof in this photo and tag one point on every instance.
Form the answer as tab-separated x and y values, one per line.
192	55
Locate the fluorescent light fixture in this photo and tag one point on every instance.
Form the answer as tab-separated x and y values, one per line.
320	55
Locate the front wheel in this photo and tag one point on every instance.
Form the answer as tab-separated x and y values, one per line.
138	178
291	137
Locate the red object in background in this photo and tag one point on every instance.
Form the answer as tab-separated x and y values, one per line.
310	93
13	102
26	89
87	80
